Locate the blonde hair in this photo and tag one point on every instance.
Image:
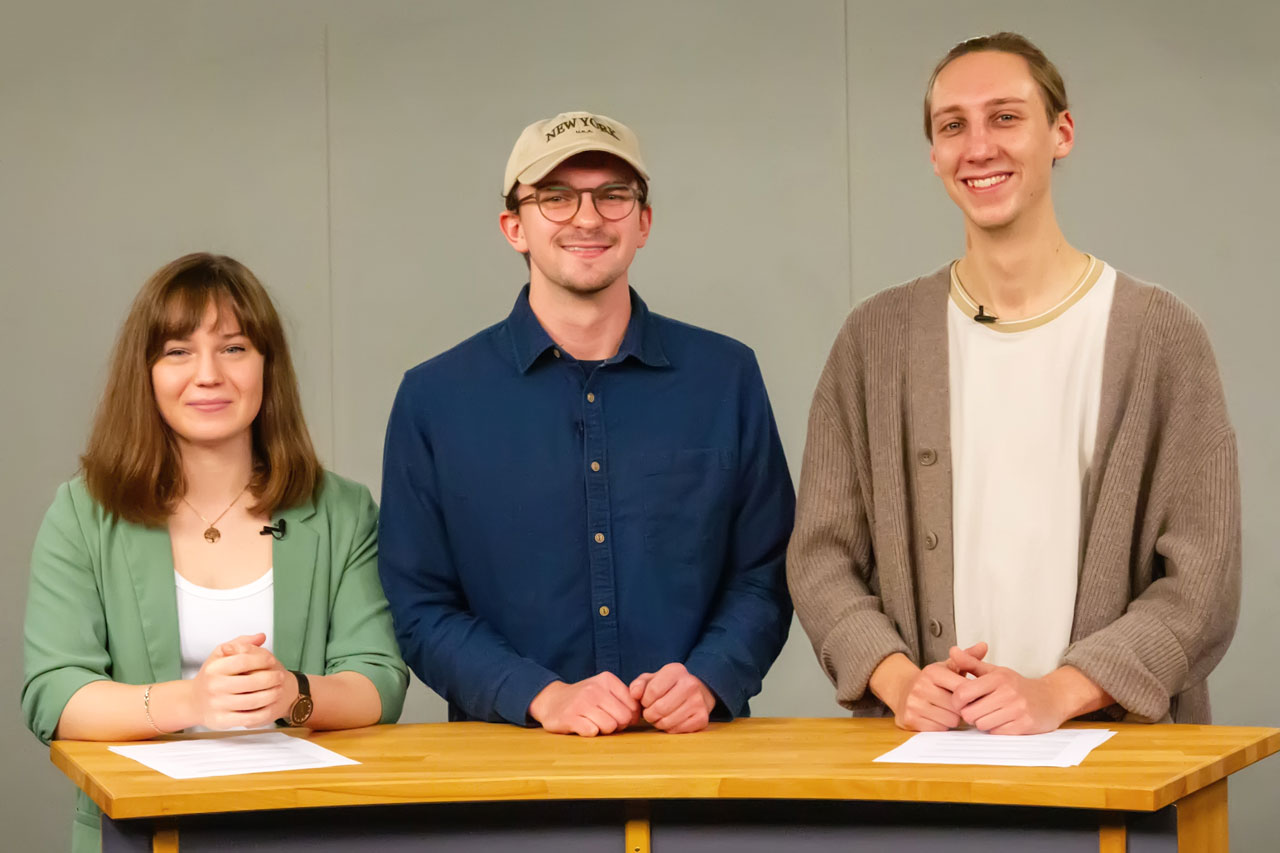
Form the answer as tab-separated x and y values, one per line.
1044	72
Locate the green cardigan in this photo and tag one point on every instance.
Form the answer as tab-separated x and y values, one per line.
103	605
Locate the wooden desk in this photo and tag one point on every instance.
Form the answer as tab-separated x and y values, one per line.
808	784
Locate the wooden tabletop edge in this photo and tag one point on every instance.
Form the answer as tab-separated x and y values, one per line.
658	787
1177	786
60	759
1242	747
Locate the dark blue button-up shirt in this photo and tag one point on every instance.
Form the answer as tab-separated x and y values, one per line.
545	520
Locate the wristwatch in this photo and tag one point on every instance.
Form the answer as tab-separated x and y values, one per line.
300	710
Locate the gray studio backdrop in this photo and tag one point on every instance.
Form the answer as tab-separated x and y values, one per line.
351	155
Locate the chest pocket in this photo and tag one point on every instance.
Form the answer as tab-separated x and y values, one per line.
688	505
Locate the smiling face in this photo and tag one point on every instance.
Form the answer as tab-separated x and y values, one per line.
208	385
993	147
588	253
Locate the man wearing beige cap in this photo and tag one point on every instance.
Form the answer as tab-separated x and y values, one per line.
585	507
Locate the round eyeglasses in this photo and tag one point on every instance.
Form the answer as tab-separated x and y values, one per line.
561	204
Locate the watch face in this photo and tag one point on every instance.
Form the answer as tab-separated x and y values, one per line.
301	710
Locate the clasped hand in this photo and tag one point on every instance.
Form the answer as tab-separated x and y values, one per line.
242	684
996	700
671	699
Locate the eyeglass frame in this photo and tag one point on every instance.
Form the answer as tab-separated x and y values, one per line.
641	199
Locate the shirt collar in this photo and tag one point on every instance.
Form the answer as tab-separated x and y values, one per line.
642	340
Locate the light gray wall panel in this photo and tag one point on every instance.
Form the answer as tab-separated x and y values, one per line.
1172	179
131	133
740	112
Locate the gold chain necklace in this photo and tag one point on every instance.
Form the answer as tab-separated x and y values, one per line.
213	534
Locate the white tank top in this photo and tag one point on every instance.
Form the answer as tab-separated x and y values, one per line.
209	617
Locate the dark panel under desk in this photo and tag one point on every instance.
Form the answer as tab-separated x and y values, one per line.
809	826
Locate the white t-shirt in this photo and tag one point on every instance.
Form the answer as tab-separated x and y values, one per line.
1024	417
209	617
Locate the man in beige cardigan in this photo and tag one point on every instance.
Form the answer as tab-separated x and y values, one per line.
1019	500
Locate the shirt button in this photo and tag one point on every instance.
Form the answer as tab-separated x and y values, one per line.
604	611
927	456
935	627
931	540
557	352
599	537
591	398
595	466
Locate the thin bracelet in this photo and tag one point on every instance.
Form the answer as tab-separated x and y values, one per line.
146	708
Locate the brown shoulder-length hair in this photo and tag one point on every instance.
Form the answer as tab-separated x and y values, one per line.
132	466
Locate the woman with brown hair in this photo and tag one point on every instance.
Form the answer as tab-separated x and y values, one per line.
204	571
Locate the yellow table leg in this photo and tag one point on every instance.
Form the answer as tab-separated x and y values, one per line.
1202	820
165	839
637	828
1112	836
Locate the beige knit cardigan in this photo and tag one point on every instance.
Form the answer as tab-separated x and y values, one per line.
870	566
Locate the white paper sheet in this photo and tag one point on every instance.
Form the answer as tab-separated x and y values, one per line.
1061	748
258	753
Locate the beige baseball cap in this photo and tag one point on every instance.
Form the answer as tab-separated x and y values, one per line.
546	144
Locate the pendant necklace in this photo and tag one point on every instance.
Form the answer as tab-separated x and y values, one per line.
213	534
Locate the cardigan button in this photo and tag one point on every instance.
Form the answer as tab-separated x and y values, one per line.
928	456
935	627
931	540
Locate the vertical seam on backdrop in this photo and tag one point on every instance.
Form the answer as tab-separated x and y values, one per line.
328	221
848	160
